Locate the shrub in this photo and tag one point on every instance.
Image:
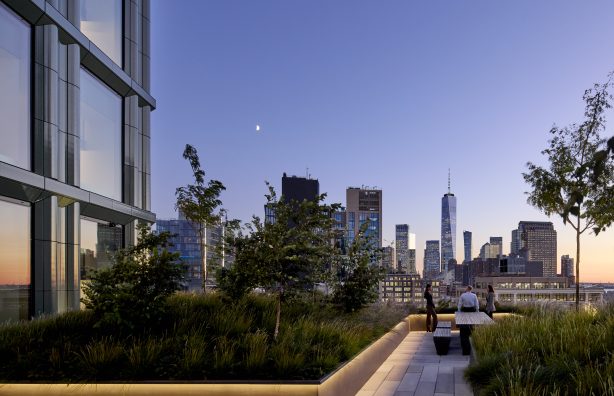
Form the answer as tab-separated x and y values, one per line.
132	293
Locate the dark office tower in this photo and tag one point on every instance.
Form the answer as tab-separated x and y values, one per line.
364	205
539	240
567	268
431	260
448	228
401	247
497	241
299	188
515	243
467	241
74	145
388	259
411	254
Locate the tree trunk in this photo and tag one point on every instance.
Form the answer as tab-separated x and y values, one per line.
278	318
203	256
578	266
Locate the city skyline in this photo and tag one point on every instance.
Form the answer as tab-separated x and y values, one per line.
351	91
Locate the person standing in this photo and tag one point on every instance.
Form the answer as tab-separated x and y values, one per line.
490	301
468	301
430	309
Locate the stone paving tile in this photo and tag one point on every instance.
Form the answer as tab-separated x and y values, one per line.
459	375
462	390
425	389
429	374
388	388
397	373
409	382
445	383
415	368
403	393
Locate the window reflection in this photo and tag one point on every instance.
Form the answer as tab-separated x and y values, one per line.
101	22
14	260
15	50
100	138
99	243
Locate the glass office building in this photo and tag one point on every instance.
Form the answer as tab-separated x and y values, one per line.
75	153
448	230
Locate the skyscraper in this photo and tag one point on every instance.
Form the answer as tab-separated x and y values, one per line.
497	241
448	228
539	240
515	243
299	188
411	254
75	145
401	247
567	268
431	260
467	241
364	205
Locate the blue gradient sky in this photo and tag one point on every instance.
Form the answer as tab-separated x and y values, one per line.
388	94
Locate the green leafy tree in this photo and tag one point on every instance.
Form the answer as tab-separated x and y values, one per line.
578	183
132	293
283	256
199	202
357	273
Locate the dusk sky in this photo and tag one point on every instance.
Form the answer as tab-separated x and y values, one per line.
378	93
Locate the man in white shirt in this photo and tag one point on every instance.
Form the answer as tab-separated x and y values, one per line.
468	301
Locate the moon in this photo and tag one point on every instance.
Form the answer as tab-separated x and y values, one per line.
257	128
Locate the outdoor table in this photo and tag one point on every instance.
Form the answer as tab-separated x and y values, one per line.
465	322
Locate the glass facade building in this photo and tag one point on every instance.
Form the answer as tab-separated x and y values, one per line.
431	260
401	248
75	153
467	242
538	241
364	205
448	230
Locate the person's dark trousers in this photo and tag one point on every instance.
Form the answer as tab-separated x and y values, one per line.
465	332
489	314
431	314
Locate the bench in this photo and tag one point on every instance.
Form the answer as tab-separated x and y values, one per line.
442	337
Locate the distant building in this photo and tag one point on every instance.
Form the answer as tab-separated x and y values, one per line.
388	259
568	269
481	267
406	288
364	205
515	244
186	242
448	228
520	265
539	240
489	250
411	254
340	228
523	289
401	248
467	243
431	260
497	241
294	188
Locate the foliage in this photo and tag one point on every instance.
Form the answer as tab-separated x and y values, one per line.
546	352
284	257
357	273
202	336
199	202
132	292
579	184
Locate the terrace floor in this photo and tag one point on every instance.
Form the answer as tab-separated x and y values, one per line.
415	369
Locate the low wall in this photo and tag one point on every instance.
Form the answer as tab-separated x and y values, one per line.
346	380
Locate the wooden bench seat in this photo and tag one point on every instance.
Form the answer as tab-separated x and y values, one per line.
442	337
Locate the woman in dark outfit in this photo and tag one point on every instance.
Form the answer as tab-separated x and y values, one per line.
430	309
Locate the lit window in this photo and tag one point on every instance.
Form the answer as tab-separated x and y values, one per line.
101	22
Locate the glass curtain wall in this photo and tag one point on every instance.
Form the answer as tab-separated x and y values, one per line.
101	144
14	260
15	58
99	241
101	22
